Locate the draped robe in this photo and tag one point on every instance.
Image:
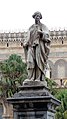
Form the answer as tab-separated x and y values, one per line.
38	46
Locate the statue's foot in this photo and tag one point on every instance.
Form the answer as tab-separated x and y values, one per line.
38	79
32	79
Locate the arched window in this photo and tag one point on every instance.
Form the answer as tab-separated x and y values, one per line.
61	83
60	69
50	72
21	44
7	44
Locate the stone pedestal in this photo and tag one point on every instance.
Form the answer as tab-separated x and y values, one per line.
33	101
5	116
7	111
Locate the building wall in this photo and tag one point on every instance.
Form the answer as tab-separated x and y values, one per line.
11	43
58	56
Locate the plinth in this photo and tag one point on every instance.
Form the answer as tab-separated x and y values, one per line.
33	101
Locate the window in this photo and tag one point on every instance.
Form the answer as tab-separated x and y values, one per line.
50	73
7	44
21	44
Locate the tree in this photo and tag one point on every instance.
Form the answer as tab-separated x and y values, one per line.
60	94
51	85
13	73
61	111
65	114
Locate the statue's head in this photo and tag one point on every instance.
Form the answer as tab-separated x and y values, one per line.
37	16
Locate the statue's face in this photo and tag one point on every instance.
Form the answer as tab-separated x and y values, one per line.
37	18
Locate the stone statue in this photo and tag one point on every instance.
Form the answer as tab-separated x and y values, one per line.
37	49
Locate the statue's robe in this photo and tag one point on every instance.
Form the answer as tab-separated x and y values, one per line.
37	47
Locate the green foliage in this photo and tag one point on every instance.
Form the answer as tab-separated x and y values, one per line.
65	114
59	115
60	94
51	84
62	109
13	73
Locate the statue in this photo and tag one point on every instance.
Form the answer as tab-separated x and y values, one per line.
37	47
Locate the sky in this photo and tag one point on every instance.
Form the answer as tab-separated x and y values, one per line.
16	15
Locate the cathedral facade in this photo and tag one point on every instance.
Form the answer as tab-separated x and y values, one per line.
12	43
58	57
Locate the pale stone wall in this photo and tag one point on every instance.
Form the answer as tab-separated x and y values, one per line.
58	55
11	43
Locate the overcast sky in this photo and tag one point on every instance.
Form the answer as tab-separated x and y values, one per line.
16	15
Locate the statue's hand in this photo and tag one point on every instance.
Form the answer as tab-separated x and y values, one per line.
25	44
40	32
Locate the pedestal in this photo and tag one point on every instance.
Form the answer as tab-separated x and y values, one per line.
6	117
33	101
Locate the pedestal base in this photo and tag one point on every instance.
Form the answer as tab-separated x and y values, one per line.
33	102
35	115
6	117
